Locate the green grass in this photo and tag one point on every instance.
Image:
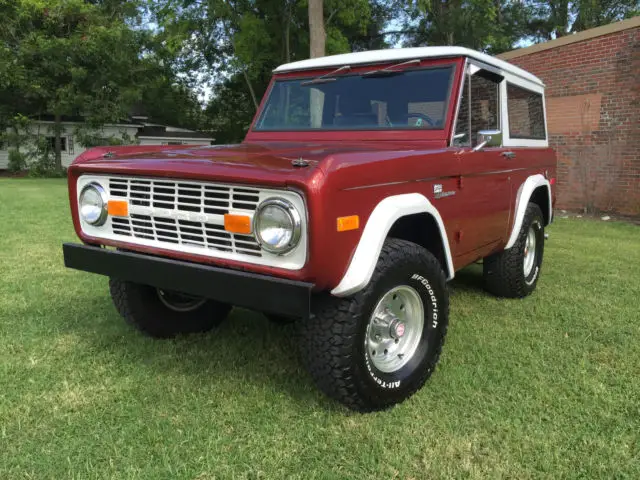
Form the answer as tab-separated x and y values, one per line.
546	387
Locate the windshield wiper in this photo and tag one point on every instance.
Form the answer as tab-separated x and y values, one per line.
390	70
326	77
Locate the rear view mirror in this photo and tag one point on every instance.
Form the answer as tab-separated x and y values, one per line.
488	138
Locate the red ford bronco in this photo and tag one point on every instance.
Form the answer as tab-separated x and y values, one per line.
364	183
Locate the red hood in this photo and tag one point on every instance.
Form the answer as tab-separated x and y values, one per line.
271	163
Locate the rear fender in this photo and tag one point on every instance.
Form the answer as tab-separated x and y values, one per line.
530	185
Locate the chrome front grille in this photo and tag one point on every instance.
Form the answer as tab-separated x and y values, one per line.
174	213
184	196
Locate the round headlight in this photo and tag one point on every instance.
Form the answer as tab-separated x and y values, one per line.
93	204
277	225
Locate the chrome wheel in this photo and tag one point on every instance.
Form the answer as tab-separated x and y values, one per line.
179	302
530	251
395	329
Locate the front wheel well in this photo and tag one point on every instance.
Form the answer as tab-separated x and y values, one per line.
422	229
540	197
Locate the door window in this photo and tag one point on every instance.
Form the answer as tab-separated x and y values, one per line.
479	107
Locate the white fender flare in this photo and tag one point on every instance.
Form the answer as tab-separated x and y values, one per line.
524	195
375	232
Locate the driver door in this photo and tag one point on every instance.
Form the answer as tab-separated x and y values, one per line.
485	171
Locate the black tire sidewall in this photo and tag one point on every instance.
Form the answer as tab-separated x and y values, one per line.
146	311
395	386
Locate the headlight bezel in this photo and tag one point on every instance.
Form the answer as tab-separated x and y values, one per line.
102	193
296	222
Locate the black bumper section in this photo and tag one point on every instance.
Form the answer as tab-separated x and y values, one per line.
242	289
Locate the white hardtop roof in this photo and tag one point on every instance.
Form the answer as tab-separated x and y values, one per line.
399	54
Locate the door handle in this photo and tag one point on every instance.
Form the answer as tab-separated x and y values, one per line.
509	155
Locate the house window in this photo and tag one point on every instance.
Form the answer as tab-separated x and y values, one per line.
51	142
173	143
526	113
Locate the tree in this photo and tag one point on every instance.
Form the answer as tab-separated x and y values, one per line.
72	57
550	19
234	46
489	25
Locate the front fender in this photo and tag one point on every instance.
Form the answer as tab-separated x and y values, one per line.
384	215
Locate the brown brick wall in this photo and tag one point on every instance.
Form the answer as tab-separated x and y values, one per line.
593	115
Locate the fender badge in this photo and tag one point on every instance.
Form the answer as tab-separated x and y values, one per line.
438	193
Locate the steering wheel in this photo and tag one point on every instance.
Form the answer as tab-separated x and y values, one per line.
421	116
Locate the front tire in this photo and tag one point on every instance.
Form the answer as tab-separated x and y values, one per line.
514	273
163	314
378	347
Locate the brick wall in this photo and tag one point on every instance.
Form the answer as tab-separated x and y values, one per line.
593	115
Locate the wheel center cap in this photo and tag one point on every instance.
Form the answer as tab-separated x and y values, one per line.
396	329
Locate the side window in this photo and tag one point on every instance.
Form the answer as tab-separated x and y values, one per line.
526	113
484	104
479	107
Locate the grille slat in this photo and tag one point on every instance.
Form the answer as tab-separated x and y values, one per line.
187	198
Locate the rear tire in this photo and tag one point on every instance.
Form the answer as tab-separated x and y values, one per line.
378	347
162	314
514	273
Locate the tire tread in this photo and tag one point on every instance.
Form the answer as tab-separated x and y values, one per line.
502	272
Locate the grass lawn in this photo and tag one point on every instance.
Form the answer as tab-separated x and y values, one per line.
546	387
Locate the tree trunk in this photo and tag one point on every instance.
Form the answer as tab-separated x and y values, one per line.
287	48
251	90
316	49
316	28
287	34
57	130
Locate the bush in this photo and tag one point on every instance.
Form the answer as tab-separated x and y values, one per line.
45	165
42	161
17	161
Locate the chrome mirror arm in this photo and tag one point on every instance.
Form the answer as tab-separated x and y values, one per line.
480	146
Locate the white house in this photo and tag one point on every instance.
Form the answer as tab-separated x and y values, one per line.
138	130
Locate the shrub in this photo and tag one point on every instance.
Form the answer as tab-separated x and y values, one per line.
43	161
17	161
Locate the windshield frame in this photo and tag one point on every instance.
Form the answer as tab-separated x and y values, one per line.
357	133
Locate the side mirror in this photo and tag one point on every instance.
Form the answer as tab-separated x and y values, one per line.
488	138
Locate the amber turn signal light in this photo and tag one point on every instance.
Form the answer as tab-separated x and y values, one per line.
351	222
118	208
237	223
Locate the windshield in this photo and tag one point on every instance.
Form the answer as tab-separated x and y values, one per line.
391	100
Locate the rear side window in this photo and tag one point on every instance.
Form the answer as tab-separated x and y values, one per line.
526	113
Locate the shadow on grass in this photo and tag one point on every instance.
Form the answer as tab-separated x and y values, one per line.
246	349
468	280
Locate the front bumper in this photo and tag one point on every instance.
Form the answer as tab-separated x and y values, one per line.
243	289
